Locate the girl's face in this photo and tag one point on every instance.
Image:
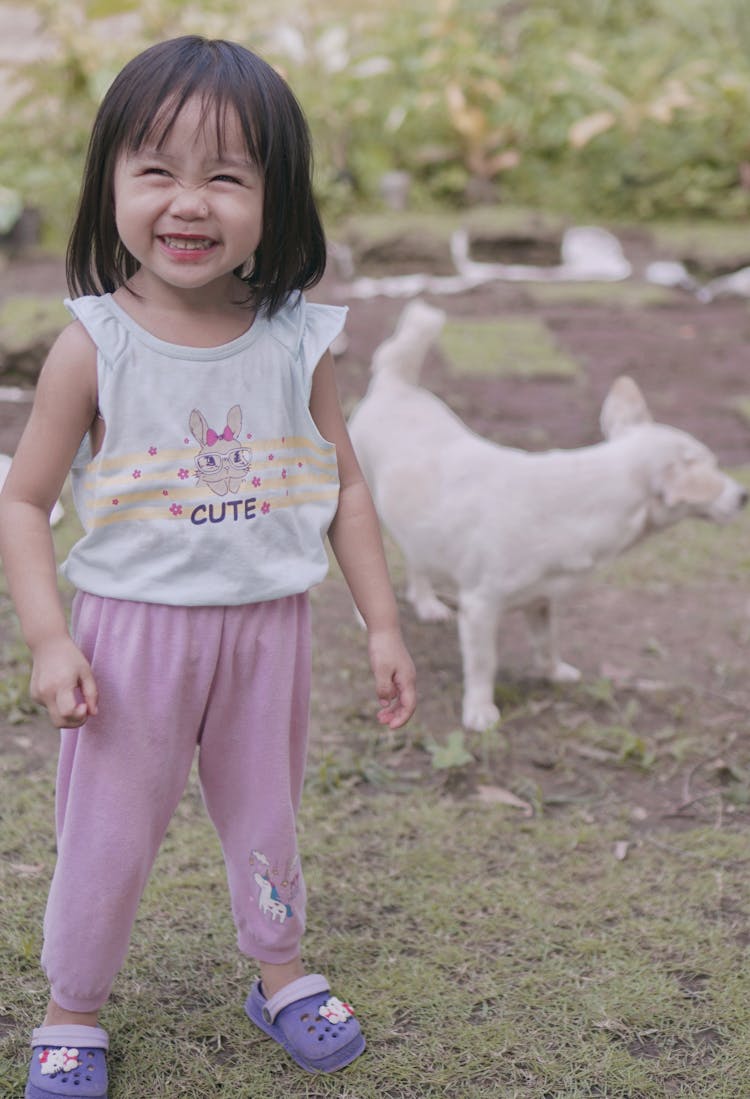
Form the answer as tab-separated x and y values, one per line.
190	212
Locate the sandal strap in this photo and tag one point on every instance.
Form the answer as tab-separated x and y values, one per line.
76	1037
300	989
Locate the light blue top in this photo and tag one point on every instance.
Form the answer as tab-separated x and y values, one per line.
213	485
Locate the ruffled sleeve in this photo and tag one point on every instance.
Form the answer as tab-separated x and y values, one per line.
101	323
322	324
308	330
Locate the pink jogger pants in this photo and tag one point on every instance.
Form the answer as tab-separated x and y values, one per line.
233	681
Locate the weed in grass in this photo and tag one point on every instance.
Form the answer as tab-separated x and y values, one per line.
490	742
451	755
600	690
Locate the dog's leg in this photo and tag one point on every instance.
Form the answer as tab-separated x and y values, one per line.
477	631
421	595
540	619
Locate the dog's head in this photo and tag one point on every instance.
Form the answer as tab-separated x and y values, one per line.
685	479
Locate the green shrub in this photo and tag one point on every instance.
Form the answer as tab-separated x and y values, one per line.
594	108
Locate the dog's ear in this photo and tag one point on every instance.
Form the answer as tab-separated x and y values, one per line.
623	407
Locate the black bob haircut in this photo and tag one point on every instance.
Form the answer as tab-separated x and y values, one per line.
142	104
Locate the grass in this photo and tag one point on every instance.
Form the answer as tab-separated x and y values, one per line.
575	953
708	244
629	294
441	223
486	956
514	346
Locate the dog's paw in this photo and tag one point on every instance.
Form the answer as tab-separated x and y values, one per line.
433	610
564	673
479	717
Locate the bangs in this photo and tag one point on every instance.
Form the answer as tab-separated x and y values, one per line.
157	104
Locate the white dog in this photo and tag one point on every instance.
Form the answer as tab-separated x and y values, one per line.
509	528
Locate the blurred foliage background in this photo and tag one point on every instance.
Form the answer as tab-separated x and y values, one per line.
596	109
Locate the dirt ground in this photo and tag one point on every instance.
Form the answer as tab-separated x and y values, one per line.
692	362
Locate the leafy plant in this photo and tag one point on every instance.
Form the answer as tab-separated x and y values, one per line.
589	107
451	755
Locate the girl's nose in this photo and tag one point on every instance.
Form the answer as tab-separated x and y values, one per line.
188	203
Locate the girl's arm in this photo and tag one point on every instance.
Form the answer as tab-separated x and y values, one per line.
355	538
64	409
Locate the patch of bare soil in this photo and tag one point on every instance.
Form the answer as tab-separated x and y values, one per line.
664	669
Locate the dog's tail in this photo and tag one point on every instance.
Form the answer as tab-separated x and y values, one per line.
403	354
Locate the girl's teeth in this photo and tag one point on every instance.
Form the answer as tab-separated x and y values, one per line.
187	245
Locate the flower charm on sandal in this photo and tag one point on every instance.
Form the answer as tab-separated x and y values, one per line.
58	1060
335	1011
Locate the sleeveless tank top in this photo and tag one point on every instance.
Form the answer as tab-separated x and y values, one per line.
213	485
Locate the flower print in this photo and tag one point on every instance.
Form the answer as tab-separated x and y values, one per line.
183	474
270	457
115	501
176	509
266	507
299	465
283	474
152	451
257	482
165	492
136	474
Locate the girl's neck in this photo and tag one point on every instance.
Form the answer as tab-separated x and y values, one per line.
199	318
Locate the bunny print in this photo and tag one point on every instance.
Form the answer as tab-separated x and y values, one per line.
222	463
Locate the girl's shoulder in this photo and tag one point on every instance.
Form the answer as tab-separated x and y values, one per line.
67	384
72	346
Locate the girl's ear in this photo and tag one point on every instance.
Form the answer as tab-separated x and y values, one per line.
234	420
198	426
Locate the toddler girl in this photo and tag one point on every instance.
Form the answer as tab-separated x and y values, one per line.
194	398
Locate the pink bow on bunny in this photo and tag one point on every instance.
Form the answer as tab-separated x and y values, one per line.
212	437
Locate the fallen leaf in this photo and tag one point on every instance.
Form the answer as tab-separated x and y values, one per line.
27	870
496	795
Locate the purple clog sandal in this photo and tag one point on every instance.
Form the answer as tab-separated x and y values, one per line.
314	1027
68	1061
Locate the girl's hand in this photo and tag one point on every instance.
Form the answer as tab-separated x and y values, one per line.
395	677
63	682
